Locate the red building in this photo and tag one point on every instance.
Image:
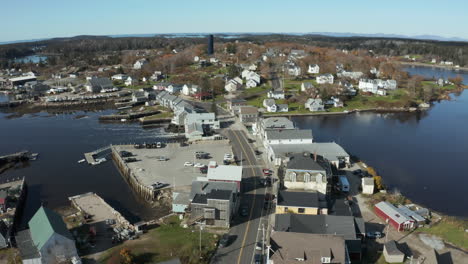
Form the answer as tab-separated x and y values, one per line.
393	216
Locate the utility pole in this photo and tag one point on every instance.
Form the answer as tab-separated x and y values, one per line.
200	240
263	239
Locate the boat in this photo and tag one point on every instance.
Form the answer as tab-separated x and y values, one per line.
123	120
33	156
81	160
99	161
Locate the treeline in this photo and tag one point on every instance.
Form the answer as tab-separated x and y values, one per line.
442	50
86	47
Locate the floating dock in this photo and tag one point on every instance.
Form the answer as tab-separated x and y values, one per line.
90	157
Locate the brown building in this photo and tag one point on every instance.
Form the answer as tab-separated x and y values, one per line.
290	247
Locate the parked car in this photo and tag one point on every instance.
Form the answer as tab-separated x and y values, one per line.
259	246
374	234
138	146
267	172
244	211
188	164
258	259
158	145
224	241
356	172
157	185
161	158
199	165
130	159
257	152
204	170
124	153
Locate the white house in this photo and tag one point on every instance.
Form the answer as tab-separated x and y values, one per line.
119	77
306	86
251	84
314	104
291	136
189	89
294	70
276	94
350	75
270	105
263	125
139	64
233	85
173	88
128	81
373	85
305	171
335	102
313	69
325	78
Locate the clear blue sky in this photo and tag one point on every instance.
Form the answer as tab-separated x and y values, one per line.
31	19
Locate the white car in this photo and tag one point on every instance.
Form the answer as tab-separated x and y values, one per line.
199	165
188	164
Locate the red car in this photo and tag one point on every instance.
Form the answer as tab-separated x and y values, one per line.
267	172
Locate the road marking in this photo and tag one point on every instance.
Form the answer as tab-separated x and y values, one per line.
253	202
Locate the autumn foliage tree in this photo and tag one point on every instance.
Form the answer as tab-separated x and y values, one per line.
457	80
126	256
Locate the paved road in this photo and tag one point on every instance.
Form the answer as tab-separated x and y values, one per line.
245	231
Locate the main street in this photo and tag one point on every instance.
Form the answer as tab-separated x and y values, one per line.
245	231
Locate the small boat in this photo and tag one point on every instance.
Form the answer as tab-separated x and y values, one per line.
33	156
81	161
123	120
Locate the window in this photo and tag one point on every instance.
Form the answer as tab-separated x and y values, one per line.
306	177
301	210
285	209
293	176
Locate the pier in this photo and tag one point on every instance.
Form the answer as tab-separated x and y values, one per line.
90	157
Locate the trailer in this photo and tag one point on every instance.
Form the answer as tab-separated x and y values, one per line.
344	183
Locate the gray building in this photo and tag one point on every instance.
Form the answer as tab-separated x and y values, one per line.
97	84
213	202
248	114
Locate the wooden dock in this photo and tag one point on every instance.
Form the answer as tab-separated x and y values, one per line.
90	157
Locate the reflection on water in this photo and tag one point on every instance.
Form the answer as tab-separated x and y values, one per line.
422	154
61	141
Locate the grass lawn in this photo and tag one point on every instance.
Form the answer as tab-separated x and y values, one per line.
451	230
158	116
166	242
9	256
256	101
254	90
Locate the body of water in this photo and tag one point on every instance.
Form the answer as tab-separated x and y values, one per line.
61	141
422	154
31	59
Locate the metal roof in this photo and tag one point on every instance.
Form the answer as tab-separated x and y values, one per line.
225	173
394	213
204	187
289	134
44	224
277	122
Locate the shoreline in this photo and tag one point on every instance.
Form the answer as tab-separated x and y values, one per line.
445	67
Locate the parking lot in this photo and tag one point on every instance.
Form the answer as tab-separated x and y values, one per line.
150	168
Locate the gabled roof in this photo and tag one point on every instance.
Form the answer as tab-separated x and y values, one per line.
46	223
100	82
301	161
289	247
277	122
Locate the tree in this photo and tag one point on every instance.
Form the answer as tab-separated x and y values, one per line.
127	256
458	80
231	48
233	71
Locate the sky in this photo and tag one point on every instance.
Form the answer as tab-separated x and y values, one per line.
33	19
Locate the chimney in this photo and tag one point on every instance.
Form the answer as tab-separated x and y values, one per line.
315	156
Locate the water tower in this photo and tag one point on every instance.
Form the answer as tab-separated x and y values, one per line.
210	45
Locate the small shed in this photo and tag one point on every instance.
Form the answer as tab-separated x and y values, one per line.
367	185
392	254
